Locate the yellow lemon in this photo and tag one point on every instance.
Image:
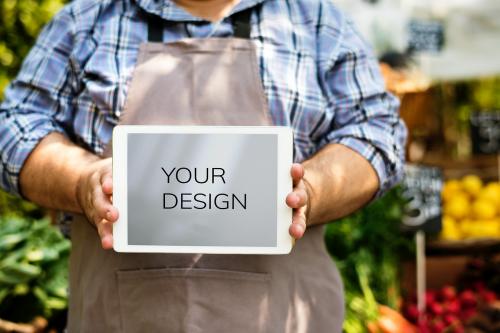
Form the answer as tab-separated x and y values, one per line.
457	206
484	228
472	184
466	227
484	209
450	188
450	229
491	192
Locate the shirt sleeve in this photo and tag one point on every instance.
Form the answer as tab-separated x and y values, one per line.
38	100
366	117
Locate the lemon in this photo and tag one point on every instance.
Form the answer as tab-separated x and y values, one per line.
450	230
472	184
484	209
484	228
450	188
466	227
457	206
491	192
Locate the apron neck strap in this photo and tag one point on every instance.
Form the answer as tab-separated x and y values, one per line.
240	21
155	28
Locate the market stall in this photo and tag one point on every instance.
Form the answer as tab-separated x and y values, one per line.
423	258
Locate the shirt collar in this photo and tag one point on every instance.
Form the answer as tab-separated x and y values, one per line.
169	10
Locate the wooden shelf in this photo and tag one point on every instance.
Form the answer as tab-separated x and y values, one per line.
485	166
478	246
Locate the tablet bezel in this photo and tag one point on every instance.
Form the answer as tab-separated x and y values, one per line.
284	162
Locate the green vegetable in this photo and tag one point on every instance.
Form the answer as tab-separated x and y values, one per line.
33	268
7	242
367	247
22	271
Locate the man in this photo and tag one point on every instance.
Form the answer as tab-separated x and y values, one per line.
317	75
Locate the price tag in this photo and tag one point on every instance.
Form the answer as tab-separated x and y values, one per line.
422	187
425	36
485	132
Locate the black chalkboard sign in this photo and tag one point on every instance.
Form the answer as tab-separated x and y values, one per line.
485	132
422	188
425	36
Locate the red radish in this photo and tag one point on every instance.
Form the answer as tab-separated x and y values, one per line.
450	319
466	314
422	328
489	296
452	307
412	312
467	299
436	309
448	293
430	297
437	326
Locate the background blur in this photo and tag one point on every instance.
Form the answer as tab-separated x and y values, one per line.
425	257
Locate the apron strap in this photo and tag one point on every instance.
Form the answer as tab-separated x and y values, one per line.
240	21
155	28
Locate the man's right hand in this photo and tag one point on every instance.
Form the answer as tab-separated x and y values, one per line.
94	194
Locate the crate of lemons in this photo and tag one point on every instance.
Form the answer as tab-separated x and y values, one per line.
471	209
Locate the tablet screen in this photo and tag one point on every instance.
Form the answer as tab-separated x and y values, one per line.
202	189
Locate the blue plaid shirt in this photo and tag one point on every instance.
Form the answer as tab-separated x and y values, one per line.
319	75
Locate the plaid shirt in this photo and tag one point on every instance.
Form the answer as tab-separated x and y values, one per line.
319	76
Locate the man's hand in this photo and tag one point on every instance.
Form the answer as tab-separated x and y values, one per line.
298	199
94	194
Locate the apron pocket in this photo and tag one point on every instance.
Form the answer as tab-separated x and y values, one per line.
193	300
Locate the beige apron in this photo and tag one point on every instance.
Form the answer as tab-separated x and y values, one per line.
211	81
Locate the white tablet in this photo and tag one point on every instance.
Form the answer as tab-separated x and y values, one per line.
202	189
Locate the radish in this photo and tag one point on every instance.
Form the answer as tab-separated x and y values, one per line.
437	326
489	296
448	293
450	319
412	312
452	307
466	314
468	299
436	309
430	297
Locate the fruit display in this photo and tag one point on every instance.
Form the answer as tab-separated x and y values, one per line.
453	311
471	209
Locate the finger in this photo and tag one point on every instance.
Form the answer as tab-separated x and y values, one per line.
112	214
297	198
297	173
297	231
105	230
298	227
102	206
107	183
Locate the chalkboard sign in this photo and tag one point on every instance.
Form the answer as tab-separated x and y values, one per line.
425	36
422	188
485	132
